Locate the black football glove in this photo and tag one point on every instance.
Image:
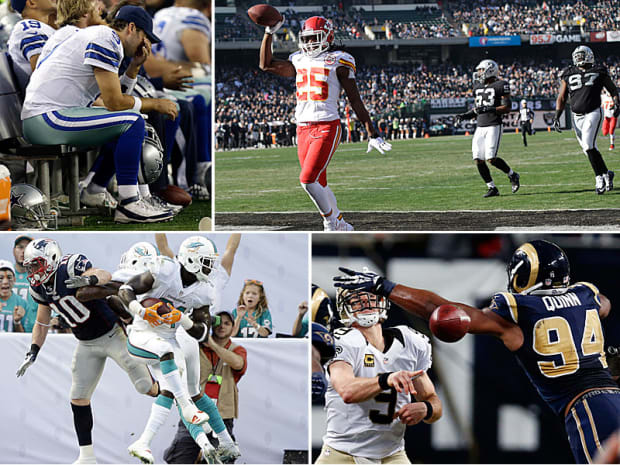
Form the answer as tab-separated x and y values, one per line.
365	280
31	356
458	119
484	109
613	360
556	125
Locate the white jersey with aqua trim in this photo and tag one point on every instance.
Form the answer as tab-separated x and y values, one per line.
368	429
168	25
168	287
318	87
27	39
64	77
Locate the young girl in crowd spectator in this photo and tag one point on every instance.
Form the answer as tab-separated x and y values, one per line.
252	317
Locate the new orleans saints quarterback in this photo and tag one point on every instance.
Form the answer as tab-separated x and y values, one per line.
583	83
492	101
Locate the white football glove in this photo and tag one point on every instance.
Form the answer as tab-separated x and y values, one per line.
379	144
273	29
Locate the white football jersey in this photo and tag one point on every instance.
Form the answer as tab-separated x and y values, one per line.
607	104
64	77
27	39
318	87
168	286
367	429
169	23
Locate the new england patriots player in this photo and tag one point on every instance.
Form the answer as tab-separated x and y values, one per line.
55	282
492	101
373	374
191	284
582	83
552	327
321	72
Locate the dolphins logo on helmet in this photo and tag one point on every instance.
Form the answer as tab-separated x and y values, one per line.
198	254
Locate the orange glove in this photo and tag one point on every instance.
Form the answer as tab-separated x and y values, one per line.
172	317
150	314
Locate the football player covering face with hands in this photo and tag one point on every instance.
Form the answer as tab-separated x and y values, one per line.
321	71
372	376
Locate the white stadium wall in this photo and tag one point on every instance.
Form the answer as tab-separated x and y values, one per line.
37	423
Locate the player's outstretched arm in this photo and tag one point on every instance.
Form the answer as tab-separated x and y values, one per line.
228	258
273	65
39	333
161	241
560	104
355	389
99	291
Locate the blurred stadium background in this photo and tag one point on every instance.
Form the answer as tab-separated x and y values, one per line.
37	424
492	414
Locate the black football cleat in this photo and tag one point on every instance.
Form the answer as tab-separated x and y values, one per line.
514	180
610	181
492	192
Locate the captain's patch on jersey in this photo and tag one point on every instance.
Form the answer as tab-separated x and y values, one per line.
369	360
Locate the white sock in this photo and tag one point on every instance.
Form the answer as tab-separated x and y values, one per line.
144	190
89	177
225	437
332	201
93	188
612	138
175	384
510	173
87	451
156	420
321	199
490	184
126	191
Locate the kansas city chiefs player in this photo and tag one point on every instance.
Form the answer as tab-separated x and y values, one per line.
609	118
321	72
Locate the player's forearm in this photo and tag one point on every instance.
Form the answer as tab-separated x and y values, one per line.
297	325
88	293
40	329
103	276
362	114
161	241
265	54
420	302
502	110
436	406
560	103
357	390
231	249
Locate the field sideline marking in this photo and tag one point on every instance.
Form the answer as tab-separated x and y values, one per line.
423	211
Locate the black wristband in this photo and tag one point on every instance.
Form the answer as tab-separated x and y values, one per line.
35	348
384	287
383	380
429	409
558	113
93	279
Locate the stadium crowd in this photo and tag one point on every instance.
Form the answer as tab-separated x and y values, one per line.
256	109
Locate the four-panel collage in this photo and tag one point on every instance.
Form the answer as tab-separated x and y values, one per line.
302	231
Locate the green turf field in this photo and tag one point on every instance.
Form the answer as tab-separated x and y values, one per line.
435	174
187	220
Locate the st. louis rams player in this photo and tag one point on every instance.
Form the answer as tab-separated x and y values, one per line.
552	327
321	72
85	66
54	284
191	284
371	379
583	83
29	35
492	100
526	118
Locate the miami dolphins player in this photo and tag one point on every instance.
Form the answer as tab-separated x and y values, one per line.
552	327
191	284
55	282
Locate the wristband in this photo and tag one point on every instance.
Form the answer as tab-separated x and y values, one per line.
126	287
128	83
383	380
385	287
558	113
93	280
429	410
137	104
186	322
135	308
34	349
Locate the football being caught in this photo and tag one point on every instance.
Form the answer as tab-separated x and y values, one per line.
150	301
264	15
449	323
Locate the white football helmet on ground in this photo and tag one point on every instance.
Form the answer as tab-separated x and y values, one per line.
198	254
41	260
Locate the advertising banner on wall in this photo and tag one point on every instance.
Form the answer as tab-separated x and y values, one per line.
600	36
494	41
613	36
547	39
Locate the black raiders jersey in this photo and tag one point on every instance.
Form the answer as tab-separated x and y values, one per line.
563	347
584	87
490	95
87	320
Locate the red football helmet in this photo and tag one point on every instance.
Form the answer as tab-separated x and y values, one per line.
316	35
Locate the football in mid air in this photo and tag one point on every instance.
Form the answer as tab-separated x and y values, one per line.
176	196
264	15
449	323
150	301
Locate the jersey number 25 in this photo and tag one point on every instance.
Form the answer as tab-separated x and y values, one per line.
312	84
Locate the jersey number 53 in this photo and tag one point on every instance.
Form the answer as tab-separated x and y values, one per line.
312	84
